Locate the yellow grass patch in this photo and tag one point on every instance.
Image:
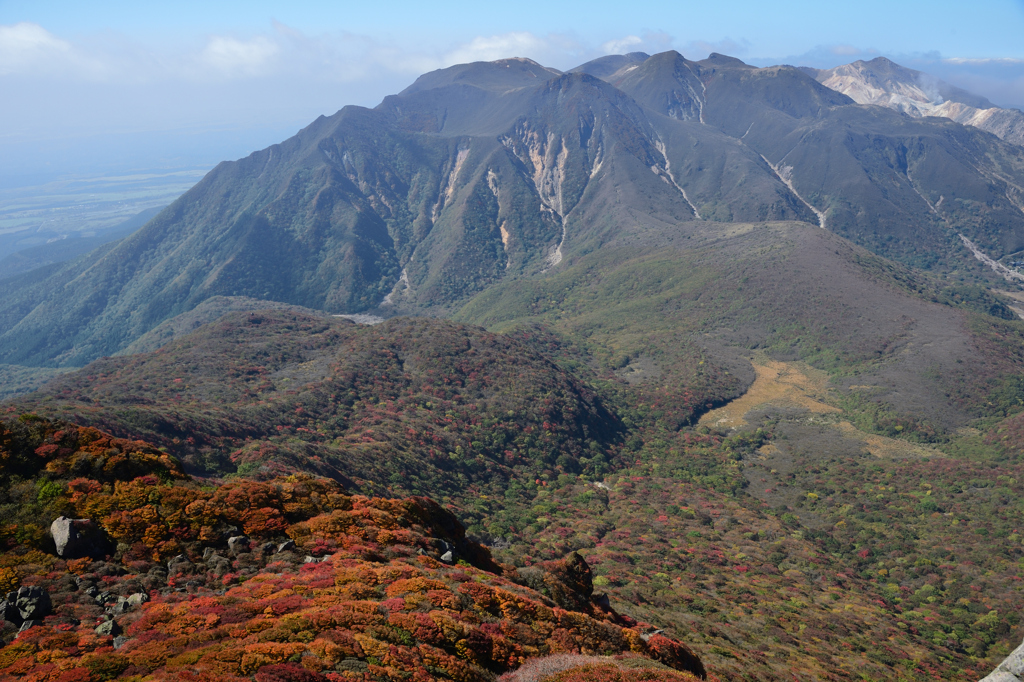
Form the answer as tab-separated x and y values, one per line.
883	446
784	384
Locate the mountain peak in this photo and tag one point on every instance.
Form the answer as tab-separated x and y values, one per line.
610	65
508	62
716	59
500	75
885	83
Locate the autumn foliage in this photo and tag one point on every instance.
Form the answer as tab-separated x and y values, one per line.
360	593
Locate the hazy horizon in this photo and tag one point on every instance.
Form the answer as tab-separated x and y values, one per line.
113	88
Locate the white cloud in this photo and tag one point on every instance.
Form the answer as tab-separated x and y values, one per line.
490	48
1001	61
26	46
621	45
233	57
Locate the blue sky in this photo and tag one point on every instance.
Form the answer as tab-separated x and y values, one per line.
112	84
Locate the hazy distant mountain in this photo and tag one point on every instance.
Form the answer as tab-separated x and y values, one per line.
494	170
605	67
885	83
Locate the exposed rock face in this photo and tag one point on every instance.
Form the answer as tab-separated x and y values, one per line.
1010	670
9	608
885	83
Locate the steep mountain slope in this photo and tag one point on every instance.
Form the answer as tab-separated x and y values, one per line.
604	67
493	171
885	83
899	186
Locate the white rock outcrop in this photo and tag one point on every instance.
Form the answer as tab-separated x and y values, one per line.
1010	670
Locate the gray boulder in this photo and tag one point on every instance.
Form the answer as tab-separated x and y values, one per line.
238	544
218	564
108	628
120	641
179	564
130	603
138	599
33	603
73	537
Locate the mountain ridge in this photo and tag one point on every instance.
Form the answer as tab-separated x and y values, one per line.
885	83
495	170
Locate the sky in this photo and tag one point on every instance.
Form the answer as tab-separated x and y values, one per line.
111	86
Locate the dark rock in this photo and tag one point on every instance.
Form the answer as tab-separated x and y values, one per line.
9	608
238	544
179	564
30	624
108	628
286	546
577	575
130	603
267	548
219	565
33	603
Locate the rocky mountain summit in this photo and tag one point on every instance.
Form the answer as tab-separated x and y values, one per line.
884	83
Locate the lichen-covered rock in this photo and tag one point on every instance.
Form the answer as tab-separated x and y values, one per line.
108	628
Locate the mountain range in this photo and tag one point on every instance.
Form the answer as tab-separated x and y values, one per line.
489	171
693	354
